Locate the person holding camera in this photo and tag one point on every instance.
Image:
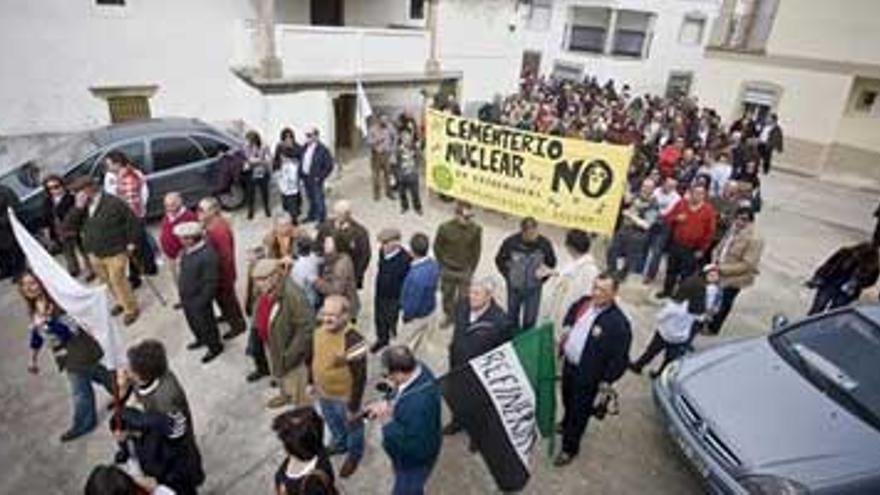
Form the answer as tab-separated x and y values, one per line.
337	376
410	420
595	351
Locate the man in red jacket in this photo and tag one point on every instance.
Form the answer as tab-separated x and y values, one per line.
175	214
219	235
692	226
670	155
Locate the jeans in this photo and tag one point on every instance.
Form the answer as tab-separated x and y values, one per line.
251	184
629	243
658	237
671	352
411	481
348	437
84	416
680	264
408	186
527	301
291	203
728	295
829	297
386	312
315	193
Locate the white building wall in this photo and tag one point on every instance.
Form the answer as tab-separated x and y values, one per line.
486	40
54	50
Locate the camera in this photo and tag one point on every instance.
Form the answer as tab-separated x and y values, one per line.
386	392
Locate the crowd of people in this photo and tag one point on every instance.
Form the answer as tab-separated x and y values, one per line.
692	199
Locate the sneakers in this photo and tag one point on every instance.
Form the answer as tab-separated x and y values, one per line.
278	401
128	319
348	467
563	459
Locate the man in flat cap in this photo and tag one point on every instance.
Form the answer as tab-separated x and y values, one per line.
199	276
394	264
110	233
284	322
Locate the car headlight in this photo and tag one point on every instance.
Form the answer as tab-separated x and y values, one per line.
669	373
772	485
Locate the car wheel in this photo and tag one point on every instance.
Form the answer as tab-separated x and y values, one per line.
233	198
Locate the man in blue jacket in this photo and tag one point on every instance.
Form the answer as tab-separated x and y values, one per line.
411	420
315	167
418	297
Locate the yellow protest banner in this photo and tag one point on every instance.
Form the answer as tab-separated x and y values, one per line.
568	182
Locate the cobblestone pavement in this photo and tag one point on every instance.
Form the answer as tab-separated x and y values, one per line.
803	222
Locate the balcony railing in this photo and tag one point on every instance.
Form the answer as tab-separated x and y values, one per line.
317	51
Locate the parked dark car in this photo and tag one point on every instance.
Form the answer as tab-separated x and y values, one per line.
176	154
794	412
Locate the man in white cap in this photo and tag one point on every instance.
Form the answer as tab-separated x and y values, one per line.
199	276
317	164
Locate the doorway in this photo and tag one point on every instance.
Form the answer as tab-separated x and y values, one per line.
327	12
344	110
531	64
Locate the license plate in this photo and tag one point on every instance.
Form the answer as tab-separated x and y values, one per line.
695	461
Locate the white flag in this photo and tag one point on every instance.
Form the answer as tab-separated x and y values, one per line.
88	306
364	111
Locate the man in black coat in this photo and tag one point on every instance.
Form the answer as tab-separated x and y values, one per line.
595	350
394	264
480	326
316	166
199	275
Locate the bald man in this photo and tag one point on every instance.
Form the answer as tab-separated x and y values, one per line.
172	247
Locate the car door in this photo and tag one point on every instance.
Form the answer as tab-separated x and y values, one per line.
214	149
178	164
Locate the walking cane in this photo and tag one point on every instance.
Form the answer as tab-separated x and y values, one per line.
146	278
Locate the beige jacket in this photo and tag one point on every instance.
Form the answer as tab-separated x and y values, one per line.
738	264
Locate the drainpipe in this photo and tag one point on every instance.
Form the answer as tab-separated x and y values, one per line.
432	65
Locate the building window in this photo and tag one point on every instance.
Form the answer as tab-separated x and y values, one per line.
416	9
692	30
679	84
588	29
631	33
125	108
744	24
540	15
117	3
567	71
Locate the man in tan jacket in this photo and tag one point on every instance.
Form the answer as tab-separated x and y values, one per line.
737	257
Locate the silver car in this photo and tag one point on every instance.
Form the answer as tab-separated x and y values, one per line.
793	412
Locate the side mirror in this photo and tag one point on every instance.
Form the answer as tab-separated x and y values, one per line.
778	321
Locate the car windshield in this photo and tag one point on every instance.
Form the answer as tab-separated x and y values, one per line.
26	177
839	353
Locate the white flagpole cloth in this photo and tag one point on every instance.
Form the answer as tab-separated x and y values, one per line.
89	306
364	110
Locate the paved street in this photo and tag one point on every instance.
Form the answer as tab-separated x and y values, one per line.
802	223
